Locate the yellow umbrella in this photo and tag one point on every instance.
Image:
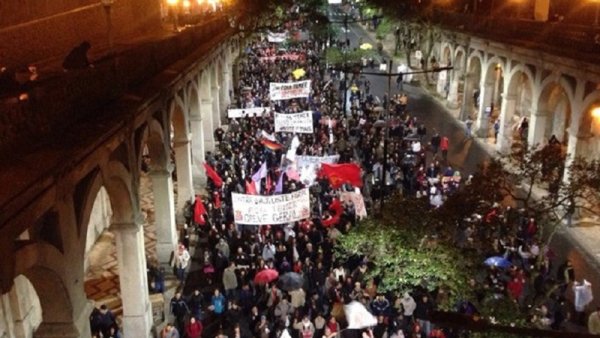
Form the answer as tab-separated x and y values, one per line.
366	46
298	73
354	88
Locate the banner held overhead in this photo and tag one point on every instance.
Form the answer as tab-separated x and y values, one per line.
273	209
294	123
290	90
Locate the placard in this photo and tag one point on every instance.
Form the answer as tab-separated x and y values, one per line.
290	90
358	201
239	113
277	37
274	209
294	123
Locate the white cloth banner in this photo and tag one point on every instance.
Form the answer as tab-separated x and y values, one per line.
294	123
358	316
289	90
277	37
274	209
308	166
335	2
358	201
238	113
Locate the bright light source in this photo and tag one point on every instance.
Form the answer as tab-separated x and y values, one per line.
172	2
186	3
596	112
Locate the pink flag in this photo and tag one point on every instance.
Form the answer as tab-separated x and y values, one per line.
260	173
279	185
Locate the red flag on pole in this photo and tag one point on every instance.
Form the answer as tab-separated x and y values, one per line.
199	211
212	174
339	174
336	210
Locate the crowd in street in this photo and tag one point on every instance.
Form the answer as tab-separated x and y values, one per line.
308	288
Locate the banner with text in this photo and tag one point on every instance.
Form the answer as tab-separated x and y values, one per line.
240	113
286	56
294	123
308	166
274	209
358	201
277	37
291	90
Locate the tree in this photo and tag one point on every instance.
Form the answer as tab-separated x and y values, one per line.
403	261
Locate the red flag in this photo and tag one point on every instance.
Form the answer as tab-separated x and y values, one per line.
336	208
274	146
339	174
212	174
250	188
199	211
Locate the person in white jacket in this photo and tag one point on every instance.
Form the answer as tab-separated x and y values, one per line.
408	305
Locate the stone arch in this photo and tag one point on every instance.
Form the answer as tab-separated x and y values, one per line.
446	54
43	265
156	139
555	106
460	55
518	95
117	181
24	312
472	85
589	126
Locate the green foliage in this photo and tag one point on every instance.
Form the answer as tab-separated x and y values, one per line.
402	262
384	28
338	57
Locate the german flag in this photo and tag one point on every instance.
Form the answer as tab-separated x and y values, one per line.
273	146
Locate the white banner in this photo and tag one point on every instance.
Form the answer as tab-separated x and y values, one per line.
276	37
358	201
308	166
238	113
274	209
335	2
290	90
294	123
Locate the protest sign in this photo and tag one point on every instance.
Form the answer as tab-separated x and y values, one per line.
240	113
294	123
290	90
357	200
308	166
273	209
276	37
286	56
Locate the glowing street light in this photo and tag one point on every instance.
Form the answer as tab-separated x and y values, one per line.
596	112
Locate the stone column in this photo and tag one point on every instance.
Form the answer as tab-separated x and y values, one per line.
505	133
198	151
183	165
537	127
131	256
216	106
164	213
571	153
483	117
442	79
453	93
206	109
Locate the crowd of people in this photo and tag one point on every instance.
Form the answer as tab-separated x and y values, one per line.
231	302
235	253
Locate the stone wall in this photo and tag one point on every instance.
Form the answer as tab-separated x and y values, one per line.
34	30
99	221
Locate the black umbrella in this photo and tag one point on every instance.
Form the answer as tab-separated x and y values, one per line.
291	281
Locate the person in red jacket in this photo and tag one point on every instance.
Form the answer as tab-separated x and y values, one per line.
194	328
444	145
515	288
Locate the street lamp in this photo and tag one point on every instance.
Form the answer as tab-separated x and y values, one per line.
595	112
107	5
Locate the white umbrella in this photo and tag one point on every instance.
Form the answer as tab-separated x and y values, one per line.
358	317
